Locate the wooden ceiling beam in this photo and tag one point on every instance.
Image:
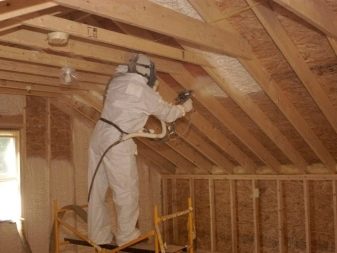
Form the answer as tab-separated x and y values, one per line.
315	12
47	81
98	34
25	9
153	17
275	29
30	87
181	163
42	70
156	157
209	12
260	119
15	91
78	48
181	145
226	118
191	136
54	60
12	19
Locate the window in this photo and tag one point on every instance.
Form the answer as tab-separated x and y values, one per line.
10	203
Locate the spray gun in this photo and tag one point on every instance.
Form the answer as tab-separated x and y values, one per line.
182	97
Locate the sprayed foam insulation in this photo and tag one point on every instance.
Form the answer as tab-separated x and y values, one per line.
292	212
182	194
202	214
229	68
245	220
272	59
321	213
167	208
293	198
268	217
60	131
11	104
222	210
36	126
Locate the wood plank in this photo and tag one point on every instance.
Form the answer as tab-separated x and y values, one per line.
11	121
47	81
181	163
187	132
209	12
280	217
333	43
334	206
25	10
83	49
272	25
54	60
212	214
255	197
291	177
315	12
32	87
306	194
234	225
261	119
42	70
226	118
153	17
77	29
14	91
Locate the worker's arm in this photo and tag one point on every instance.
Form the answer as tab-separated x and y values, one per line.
162	110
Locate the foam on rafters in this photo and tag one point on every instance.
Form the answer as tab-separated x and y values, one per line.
229	68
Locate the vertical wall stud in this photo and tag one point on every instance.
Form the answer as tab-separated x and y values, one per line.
212	214
165	207
334	190
174	209
233	216
255	197
307	215
280	216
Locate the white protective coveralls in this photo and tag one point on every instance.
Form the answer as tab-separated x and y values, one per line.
129	102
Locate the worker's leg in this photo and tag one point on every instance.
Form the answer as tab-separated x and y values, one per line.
99	221
123	179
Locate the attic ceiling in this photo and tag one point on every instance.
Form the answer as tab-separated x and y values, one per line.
263	73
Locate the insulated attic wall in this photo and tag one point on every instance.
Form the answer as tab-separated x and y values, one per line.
261	214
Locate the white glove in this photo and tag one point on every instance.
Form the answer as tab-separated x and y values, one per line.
188	106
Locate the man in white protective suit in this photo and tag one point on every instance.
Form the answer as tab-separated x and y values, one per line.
130	98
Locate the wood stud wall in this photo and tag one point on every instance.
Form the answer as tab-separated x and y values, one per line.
289	214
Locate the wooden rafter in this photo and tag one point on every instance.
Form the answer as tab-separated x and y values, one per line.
181	163
82	49
315	12
209	12
31	87
42	70
153	17
54	60
98	34
261	119
226	118
169	95
272	25
14	18
201	122
46	81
